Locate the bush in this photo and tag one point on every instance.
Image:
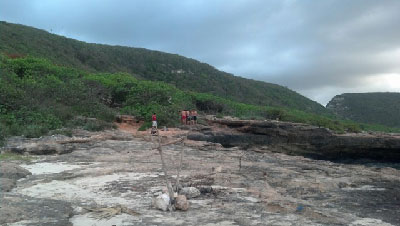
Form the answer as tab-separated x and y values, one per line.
219	115
353	128
209	106
32	131
275	113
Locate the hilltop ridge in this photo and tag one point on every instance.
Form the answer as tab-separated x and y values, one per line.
380	107
184	73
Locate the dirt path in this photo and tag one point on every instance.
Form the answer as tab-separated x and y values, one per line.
134	130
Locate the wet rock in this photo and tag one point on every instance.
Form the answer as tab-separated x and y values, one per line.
13	171
190	192
161	202
181	203
6	184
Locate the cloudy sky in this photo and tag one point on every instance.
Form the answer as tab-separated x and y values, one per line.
319	48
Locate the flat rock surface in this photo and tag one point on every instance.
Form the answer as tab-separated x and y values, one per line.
111	180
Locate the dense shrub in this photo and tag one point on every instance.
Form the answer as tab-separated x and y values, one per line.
37	97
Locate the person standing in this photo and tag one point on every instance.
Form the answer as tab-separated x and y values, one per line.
183	117
189	117
194	116
154	121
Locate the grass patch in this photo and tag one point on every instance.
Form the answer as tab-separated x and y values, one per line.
13	156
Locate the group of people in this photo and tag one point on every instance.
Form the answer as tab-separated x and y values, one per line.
188	117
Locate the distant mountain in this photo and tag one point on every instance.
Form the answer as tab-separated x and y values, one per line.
184	73
379	108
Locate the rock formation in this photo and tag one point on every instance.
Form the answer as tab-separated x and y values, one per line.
301	139
9	174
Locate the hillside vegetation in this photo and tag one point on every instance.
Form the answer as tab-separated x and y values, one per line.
378	108
38	97
183	73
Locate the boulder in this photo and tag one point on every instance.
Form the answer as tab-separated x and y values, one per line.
190	192
13	171
181	203
161	202
6	184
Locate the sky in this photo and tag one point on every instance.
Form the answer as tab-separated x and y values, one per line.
319	48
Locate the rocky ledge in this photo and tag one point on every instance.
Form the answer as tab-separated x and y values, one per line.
301	139
111	178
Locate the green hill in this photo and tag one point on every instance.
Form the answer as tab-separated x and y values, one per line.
183	73
377	108
38	97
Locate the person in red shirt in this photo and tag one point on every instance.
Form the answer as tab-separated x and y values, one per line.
154	121
183	117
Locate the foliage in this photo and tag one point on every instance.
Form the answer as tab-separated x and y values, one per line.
38	97
183	73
